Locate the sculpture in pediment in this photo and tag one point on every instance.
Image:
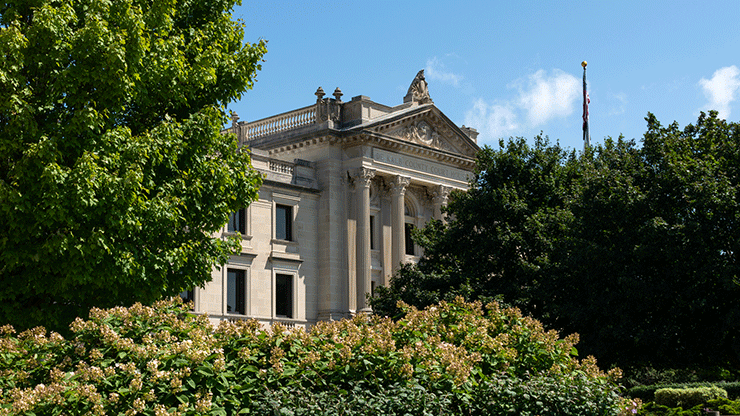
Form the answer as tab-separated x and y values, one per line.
422	133
418	91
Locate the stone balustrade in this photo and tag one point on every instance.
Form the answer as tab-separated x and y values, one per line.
282	167
268	322
279	123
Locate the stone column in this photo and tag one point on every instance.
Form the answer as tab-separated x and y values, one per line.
362	179
398	189
439	197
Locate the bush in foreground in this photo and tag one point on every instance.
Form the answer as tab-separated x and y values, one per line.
453	358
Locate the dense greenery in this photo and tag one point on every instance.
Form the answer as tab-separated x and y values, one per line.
113	172
688	397
451	359
633	247
689	400
647	393
724	406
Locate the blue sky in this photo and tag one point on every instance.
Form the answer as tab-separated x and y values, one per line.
506	68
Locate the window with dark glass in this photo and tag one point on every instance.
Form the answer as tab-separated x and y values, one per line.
237	222
284	222
284	295
372	232
188	296
235	291
409	242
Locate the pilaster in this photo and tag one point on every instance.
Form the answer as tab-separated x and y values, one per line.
332	289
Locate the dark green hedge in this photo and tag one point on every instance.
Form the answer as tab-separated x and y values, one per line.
646	393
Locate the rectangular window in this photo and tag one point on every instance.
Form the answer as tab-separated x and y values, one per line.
237	222
372	232
409	241
188	296
284	222
284	295
236	291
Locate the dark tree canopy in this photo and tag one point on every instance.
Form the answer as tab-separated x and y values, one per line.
113	171
633	247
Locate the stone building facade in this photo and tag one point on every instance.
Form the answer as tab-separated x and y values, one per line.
345	183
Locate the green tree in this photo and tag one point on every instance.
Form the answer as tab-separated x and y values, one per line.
114	174
501	235
635	248
649	274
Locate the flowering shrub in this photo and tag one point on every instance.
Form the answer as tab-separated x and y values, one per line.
630	407
454	358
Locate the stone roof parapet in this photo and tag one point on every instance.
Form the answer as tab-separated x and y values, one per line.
299	172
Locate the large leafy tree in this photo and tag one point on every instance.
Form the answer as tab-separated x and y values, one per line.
113	171
633	247
650	273
501	234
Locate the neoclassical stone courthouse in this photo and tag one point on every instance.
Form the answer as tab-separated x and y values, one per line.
345	183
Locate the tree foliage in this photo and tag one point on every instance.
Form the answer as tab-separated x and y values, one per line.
635	248
113	172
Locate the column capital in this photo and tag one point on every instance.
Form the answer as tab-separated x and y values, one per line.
440	193
363	176
398	184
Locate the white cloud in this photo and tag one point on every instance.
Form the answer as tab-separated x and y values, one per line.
547	97
541	98
492	121
620	105
435	70
722	89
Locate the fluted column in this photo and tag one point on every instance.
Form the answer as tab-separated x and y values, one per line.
398	189
439	197
362	178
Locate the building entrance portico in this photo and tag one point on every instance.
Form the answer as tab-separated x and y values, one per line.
345	184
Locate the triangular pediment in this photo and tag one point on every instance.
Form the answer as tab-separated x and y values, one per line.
431	129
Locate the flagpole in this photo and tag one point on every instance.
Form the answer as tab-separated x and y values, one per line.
586	100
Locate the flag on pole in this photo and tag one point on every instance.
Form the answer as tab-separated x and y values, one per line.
586	102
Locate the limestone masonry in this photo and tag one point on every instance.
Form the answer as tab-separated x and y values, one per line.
345	183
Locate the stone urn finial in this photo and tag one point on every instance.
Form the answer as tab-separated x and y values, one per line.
320	93
338	94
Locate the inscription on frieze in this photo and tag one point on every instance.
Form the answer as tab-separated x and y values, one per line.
420	165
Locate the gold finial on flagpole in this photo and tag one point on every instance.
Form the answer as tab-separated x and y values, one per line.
583	64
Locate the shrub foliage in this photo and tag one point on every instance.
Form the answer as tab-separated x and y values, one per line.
688	397
452	358
646	393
